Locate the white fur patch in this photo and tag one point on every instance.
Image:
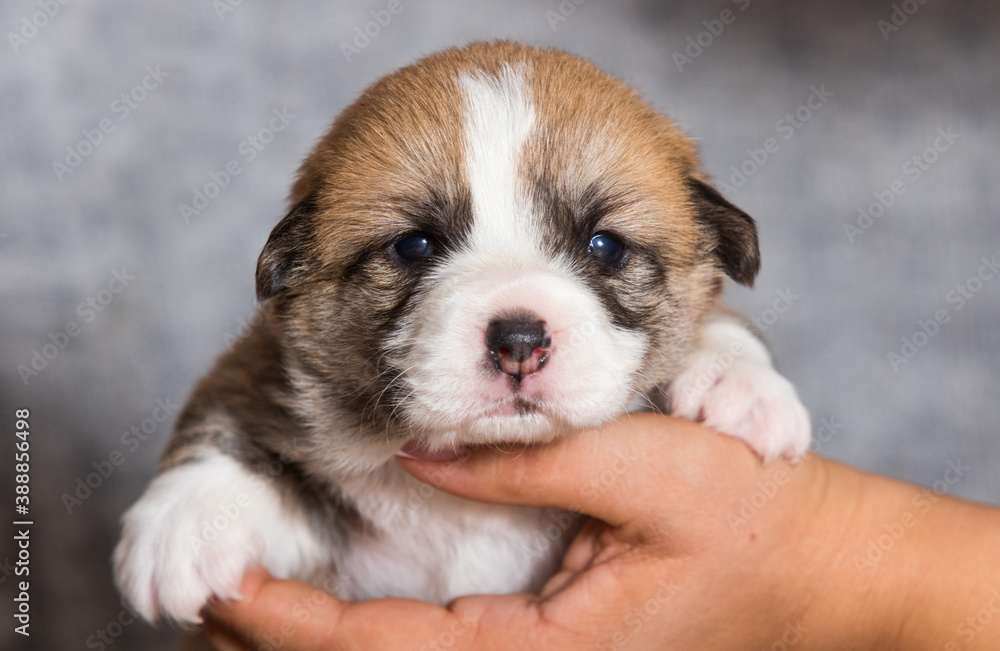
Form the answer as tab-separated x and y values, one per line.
197	529
432	546
500	116
731	385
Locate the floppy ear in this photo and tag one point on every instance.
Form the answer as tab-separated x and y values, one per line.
286	249
735	233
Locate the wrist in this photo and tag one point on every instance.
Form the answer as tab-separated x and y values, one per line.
901	567
846	602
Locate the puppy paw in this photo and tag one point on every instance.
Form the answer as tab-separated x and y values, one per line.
195	532
730	385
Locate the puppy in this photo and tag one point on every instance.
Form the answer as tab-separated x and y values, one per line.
498	244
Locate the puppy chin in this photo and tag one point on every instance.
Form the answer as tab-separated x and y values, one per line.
533	427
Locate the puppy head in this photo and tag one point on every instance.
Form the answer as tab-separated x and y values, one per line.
498	243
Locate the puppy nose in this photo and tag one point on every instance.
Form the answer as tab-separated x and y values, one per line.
519	345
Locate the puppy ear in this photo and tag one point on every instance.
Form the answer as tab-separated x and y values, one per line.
734	232
286	248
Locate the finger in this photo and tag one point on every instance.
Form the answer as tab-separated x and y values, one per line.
611	473
296	616
296	613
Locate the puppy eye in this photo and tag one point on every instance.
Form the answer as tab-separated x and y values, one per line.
414	247
606	249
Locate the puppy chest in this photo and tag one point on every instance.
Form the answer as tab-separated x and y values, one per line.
439	551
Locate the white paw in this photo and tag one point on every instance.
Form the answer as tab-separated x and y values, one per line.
197	529
730	385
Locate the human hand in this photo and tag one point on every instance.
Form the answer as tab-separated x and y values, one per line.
694	545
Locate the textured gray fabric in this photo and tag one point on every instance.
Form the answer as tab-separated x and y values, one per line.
62	240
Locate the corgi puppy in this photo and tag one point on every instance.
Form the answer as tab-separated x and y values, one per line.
499	244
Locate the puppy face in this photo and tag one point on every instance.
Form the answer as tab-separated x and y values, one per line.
498	243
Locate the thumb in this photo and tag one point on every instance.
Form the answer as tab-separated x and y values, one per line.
262	613
609	473
297	616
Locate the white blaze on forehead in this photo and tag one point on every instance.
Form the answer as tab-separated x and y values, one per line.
499	118
452	393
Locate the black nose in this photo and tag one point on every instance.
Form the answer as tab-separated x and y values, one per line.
519	346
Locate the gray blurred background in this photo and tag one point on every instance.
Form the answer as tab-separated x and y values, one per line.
842	302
